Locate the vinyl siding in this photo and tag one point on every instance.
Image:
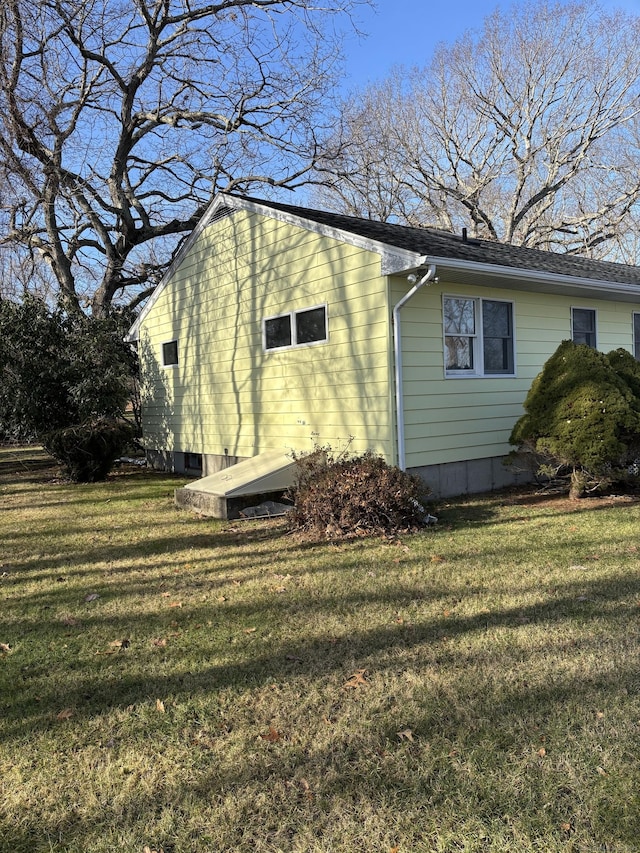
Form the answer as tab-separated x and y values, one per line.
456	419
227	394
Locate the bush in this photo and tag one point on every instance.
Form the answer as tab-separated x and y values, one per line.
89	450
62	376
353	496
582	413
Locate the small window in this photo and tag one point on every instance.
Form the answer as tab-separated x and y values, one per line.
478	337
636	336
311	326
170	353
583	326
295	329
277	331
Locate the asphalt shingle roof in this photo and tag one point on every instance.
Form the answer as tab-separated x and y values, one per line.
443	244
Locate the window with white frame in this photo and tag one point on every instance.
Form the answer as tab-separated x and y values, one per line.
296	328
583	326
170	353
478	337
636	335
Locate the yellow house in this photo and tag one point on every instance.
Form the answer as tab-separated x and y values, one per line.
279	327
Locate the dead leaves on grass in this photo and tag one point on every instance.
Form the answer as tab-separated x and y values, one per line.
406	734
272	736
307	793
65	714
356	681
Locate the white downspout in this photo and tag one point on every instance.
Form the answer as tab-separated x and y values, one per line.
397	344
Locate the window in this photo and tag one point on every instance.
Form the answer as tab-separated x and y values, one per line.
193	462
170	353
478	337
636	336
583	326
295	329
277	332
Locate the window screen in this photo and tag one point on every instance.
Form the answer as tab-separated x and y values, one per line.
460	331
296	328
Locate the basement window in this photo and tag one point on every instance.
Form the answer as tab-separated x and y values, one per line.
296	328
170	353
193	462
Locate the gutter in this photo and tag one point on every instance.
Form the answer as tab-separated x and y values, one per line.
537	279
430	275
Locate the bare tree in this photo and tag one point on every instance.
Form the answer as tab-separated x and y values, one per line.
120	118
528	133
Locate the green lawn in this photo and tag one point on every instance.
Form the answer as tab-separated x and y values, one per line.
173	683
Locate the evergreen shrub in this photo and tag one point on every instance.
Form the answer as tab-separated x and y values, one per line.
64	378
582	414
88	451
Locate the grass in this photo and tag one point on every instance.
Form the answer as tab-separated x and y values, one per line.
181	684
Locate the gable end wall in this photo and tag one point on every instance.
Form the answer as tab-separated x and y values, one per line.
228	397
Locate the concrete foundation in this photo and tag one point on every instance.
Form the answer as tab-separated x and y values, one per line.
219	506
445	480
449	479
179	462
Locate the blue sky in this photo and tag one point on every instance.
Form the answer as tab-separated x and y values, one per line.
406	31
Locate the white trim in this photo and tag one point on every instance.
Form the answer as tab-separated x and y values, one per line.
522	278
292	315
395	261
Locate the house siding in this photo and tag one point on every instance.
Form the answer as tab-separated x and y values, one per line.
227	396
451	420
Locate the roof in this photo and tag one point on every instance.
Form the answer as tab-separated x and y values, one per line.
444	244
403	249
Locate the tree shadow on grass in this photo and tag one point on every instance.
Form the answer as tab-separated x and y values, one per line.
261	656
199	663
409	774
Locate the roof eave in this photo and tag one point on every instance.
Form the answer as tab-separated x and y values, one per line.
397	261
520	278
